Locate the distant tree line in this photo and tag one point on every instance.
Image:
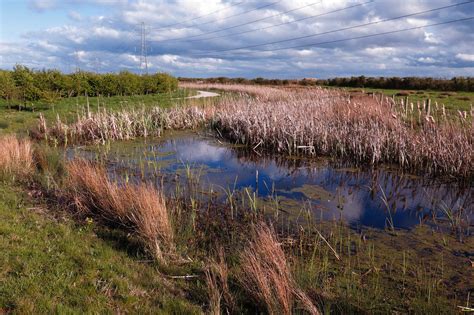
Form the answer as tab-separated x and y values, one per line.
407	83
396	83
24	84
226	80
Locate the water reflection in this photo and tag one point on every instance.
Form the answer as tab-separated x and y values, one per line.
372	198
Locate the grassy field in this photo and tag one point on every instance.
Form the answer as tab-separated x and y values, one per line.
18	119
452	100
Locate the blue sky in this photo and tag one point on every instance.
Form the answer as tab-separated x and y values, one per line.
103	35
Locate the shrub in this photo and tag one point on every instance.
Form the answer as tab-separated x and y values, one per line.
49	85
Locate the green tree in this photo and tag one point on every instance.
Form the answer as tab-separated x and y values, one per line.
8	90
24	81
128	83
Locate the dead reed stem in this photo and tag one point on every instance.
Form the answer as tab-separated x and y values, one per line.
217	276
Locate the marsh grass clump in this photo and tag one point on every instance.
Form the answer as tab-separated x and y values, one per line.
16	157
267	276
253	90
138	209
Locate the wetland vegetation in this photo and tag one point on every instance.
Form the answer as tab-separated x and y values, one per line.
280	200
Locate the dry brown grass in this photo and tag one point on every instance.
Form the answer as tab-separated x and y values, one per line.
16	156
267	277
140	209
214	293
217	276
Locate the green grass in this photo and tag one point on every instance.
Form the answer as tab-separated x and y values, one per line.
20	120
452	100
51	265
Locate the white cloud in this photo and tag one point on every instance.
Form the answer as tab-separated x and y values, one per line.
106	32
380	51
426	60
47	46
466	57
305	52
431	39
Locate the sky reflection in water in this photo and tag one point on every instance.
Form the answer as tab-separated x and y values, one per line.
353	195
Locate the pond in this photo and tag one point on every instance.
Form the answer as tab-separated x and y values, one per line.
374	198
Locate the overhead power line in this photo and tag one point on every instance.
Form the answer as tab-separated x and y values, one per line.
354	38
341	29
239	25
233	15
198	17
283	23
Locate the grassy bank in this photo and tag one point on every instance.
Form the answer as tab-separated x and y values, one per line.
52	264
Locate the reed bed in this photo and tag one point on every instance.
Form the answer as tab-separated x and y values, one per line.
316	121
16	156
104	126
139	209
360	129
267	277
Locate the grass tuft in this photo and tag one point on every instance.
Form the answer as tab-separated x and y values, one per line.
140	209
16	158
266	274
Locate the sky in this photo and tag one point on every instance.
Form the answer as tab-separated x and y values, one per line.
238	38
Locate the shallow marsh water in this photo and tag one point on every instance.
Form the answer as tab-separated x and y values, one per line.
363	198
420	261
